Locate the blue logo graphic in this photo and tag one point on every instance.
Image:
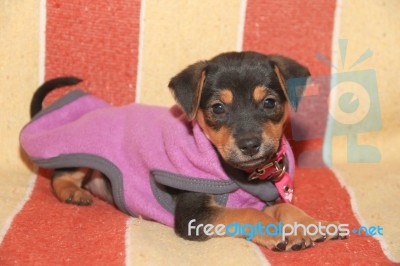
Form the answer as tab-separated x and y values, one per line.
346	101
368	231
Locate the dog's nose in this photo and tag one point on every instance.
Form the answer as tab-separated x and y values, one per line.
249	146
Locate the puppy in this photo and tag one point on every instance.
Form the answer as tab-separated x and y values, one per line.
219	159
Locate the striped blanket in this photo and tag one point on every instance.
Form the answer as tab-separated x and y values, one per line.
127	50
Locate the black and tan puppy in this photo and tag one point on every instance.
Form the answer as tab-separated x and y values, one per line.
241	104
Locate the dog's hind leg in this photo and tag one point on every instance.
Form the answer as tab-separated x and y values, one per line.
67	186
99	185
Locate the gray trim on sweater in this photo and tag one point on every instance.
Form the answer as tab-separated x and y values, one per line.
161	180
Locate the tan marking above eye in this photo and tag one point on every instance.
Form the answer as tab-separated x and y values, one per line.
259	93
226	96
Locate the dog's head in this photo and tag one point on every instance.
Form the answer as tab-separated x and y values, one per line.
240	101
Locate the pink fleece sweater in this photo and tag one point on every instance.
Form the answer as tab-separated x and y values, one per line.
143	150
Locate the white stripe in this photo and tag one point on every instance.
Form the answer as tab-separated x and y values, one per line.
140	52
336	31
128	240
242	21
327	144
18	208
42	40
259	255
329	135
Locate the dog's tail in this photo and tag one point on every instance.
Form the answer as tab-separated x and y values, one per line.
48	86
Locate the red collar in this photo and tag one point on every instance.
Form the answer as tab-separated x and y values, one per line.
274	170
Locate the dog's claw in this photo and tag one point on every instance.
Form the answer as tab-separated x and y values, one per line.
299	246
296	247
339	237
81	203
281	246
311	244
321	239
85	202
336	237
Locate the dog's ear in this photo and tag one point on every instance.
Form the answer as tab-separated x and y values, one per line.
187	87
292	77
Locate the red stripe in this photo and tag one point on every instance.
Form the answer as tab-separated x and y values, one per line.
301	29
48	232
97	41
298	29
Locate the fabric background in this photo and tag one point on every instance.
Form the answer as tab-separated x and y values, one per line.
126	51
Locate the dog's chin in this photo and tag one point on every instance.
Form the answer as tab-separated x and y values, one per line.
251	163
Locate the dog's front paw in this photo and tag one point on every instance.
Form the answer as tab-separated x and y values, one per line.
301	230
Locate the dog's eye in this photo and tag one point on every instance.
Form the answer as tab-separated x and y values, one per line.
269	103
218	108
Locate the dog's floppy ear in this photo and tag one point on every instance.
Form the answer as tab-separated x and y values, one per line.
187	87
292	77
